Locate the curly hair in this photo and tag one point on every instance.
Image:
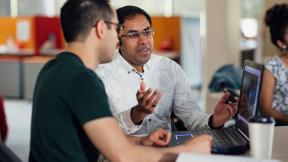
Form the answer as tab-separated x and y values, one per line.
276	18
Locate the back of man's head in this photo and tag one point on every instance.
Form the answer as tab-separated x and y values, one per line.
128	12
79	16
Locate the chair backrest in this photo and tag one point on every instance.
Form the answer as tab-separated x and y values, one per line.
7	155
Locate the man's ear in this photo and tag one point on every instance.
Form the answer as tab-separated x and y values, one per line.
100	28
281	45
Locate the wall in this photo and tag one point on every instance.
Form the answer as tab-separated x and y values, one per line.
36	7
4	7
221	39
165	29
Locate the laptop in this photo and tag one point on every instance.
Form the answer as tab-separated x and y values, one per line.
233	140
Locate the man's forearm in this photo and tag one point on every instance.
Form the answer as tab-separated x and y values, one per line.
145	141
142	153
137	116
134	139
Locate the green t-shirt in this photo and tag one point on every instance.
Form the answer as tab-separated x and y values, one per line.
66	96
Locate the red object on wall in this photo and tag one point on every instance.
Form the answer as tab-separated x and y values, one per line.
3	122
46	27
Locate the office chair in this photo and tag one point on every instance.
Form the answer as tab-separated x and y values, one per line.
176	123
6	155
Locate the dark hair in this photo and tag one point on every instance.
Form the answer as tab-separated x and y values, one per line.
127	12
276	19
79	16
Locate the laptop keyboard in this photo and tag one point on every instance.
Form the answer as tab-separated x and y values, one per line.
226	136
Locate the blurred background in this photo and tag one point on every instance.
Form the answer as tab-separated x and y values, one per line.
201	35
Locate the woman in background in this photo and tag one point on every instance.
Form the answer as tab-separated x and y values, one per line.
274	96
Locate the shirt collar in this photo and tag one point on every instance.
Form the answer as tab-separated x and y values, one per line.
130	68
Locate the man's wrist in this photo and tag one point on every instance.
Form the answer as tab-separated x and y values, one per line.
211	124
135	116
145	141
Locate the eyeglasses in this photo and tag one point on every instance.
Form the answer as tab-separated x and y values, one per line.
118	26
136	35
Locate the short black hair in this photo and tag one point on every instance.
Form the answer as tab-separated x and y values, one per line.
79	16
127	12
276	18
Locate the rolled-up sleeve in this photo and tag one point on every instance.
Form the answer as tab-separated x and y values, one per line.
117	106
125	122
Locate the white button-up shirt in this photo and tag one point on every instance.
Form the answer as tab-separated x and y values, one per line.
122	82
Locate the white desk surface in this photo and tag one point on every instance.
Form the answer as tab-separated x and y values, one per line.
280	143
280	150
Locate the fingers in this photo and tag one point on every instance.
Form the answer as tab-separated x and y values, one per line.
168	137
142	86
149	99
236	103
224	97
141	91
155	98
160	137
146	95
139	94
232	108
161	140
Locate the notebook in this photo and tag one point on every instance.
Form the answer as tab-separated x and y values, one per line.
233	140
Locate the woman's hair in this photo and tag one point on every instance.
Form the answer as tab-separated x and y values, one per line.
276	18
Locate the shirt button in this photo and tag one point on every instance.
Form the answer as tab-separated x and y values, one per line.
149	120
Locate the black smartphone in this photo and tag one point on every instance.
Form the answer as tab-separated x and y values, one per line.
233	94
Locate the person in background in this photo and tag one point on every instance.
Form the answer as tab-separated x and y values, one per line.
141	110
274	95
71	119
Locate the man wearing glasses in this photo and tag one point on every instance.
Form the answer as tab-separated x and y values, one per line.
140	110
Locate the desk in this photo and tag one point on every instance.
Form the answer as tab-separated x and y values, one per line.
280	143
280	150
18	73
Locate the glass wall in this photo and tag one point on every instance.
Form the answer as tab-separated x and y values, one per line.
4	7
52	7
160	7
39	7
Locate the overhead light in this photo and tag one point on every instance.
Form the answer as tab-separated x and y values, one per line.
249	27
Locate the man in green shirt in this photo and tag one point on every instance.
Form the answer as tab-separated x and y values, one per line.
70	119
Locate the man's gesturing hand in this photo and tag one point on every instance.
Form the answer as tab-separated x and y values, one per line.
147	101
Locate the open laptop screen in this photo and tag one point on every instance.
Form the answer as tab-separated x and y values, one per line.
249	97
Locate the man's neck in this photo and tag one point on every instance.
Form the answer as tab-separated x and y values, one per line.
84	52
139	68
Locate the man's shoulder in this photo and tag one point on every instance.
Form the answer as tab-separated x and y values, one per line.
108	68
162	60
86	74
